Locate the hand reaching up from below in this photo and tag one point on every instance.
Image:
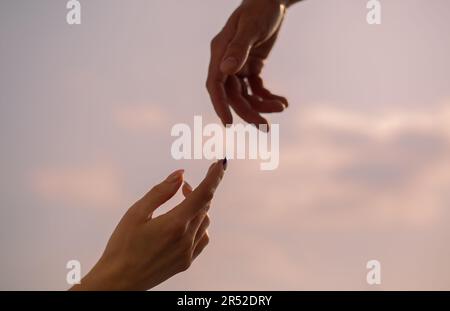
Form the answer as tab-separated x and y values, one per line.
144	251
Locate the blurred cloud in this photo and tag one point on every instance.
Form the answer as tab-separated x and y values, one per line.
348	170
138	118
93	185
351	186
378	126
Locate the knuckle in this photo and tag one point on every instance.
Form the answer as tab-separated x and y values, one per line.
134	210
186	256
178	228
207	221
185	264
214	42
157	190
208	84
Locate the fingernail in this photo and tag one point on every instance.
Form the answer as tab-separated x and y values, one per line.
175	176
264	127
281	104
227	124
224	164
229	64
186	184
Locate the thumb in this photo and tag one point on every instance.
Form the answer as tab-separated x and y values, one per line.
160	194
239	48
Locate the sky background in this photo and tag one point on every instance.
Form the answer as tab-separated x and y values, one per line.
85	119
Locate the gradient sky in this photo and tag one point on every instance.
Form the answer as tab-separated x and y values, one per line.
86	113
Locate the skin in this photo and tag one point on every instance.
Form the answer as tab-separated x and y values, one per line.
144	251
238	53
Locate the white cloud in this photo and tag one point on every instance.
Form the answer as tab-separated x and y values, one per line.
94	185
138	118
347	170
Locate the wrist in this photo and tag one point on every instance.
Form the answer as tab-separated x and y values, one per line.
102	277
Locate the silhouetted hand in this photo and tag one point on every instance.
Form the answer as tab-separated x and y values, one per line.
144	251
237	58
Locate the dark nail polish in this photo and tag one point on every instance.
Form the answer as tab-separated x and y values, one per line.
225	164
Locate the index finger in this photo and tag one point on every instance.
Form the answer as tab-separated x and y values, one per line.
201	197
215	83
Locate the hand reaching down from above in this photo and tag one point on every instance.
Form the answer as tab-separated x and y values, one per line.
238	53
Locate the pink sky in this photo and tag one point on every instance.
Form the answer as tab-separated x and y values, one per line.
86	113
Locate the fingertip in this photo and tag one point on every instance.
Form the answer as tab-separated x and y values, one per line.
187	189
211	167
225	164
281	99
263	127
274	105
222	164
176	176
187	185
227	119
215	173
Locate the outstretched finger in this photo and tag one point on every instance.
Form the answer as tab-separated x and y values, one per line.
199	199
215	83
158	195
258	104
186	189
242	106
258	88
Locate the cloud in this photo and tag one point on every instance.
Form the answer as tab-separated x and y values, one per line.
324	117
95	185
138	118
348	170
351	186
